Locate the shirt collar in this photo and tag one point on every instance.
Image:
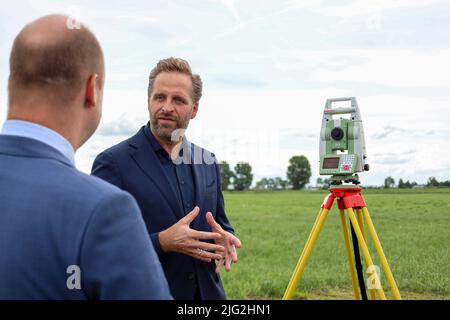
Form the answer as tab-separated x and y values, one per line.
37	132
157	146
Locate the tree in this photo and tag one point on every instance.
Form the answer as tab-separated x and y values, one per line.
271	183
262	184
319	182
406	185
298	171
322	183
389	182
280	183
432	182
226	174
243	176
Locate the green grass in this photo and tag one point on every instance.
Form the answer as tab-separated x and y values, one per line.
413	227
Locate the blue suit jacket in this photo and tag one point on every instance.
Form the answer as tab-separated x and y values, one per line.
52	216
133	166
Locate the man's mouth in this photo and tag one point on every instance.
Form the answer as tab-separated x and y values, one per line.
166	119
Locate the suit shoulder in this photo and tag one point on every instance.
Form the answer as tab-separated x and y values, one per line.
101	186
119	152
93	190
119	148
133	141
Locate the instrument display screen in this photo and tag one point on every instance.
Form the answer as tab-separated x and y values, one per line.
330	163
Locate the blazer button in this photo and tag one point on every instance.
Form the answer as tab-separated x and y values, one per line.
191	276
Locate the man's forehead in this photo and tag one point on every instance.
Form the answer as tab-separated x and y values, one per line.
173	81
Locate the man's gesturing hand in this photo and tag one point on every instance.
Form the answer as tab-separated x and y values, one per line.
228	241
182	239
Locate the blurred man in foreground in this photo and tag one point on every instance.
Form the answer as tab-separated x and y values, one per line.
64	234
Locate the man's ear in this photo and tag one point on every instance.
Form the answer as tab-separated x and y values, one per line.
194	110
91	94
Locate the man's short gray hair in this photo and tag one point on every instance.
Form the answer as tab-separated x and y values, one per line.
177	65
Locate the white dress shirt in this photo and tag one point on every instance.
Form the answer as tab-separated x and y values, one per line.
43	134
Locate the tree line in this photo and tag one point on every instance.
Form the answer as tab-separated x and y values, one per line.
298	174
432	182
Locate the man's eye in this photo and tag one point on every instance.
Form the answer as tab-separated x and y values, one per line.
180	101
159	98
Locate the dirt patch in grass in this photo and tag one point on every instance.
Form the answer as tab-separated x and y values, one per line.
347	294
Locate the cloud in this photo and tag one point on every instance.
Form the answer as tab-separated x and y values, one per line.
236	81
387	131
133	18
405	70
265	18
268	67
392	67
357	8
393	160
436	172
290	134
230	5
122	126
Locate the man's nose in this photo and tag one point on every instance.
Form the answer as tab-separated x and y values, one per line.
168	106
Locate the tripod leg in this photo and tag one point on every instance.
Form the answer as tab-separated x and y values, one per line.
351	261
295	279
358	265
312	231
361	226
379	249
361	222
365	250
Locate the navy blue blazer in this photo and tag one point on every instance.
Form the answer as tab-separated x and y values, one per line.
55	219
132	165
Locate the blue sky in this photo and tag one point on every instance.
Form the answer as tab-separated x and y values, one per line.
268	67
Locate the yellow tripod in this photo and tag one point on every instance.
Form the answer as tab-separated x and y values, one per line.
348	199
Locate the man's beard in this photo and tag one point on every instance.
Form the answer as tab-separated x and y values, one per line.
169	133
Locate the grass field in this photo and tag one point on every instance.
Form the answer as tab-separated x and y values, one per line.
413	226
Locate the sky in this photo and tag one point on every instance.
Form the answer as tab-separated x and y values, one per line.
268	68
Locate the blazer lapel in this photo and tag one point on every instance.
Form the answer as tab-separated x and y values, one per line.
199	181
146	159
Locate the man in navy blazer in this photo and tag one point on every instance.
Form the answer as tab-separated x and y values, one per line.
64	234
176	185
